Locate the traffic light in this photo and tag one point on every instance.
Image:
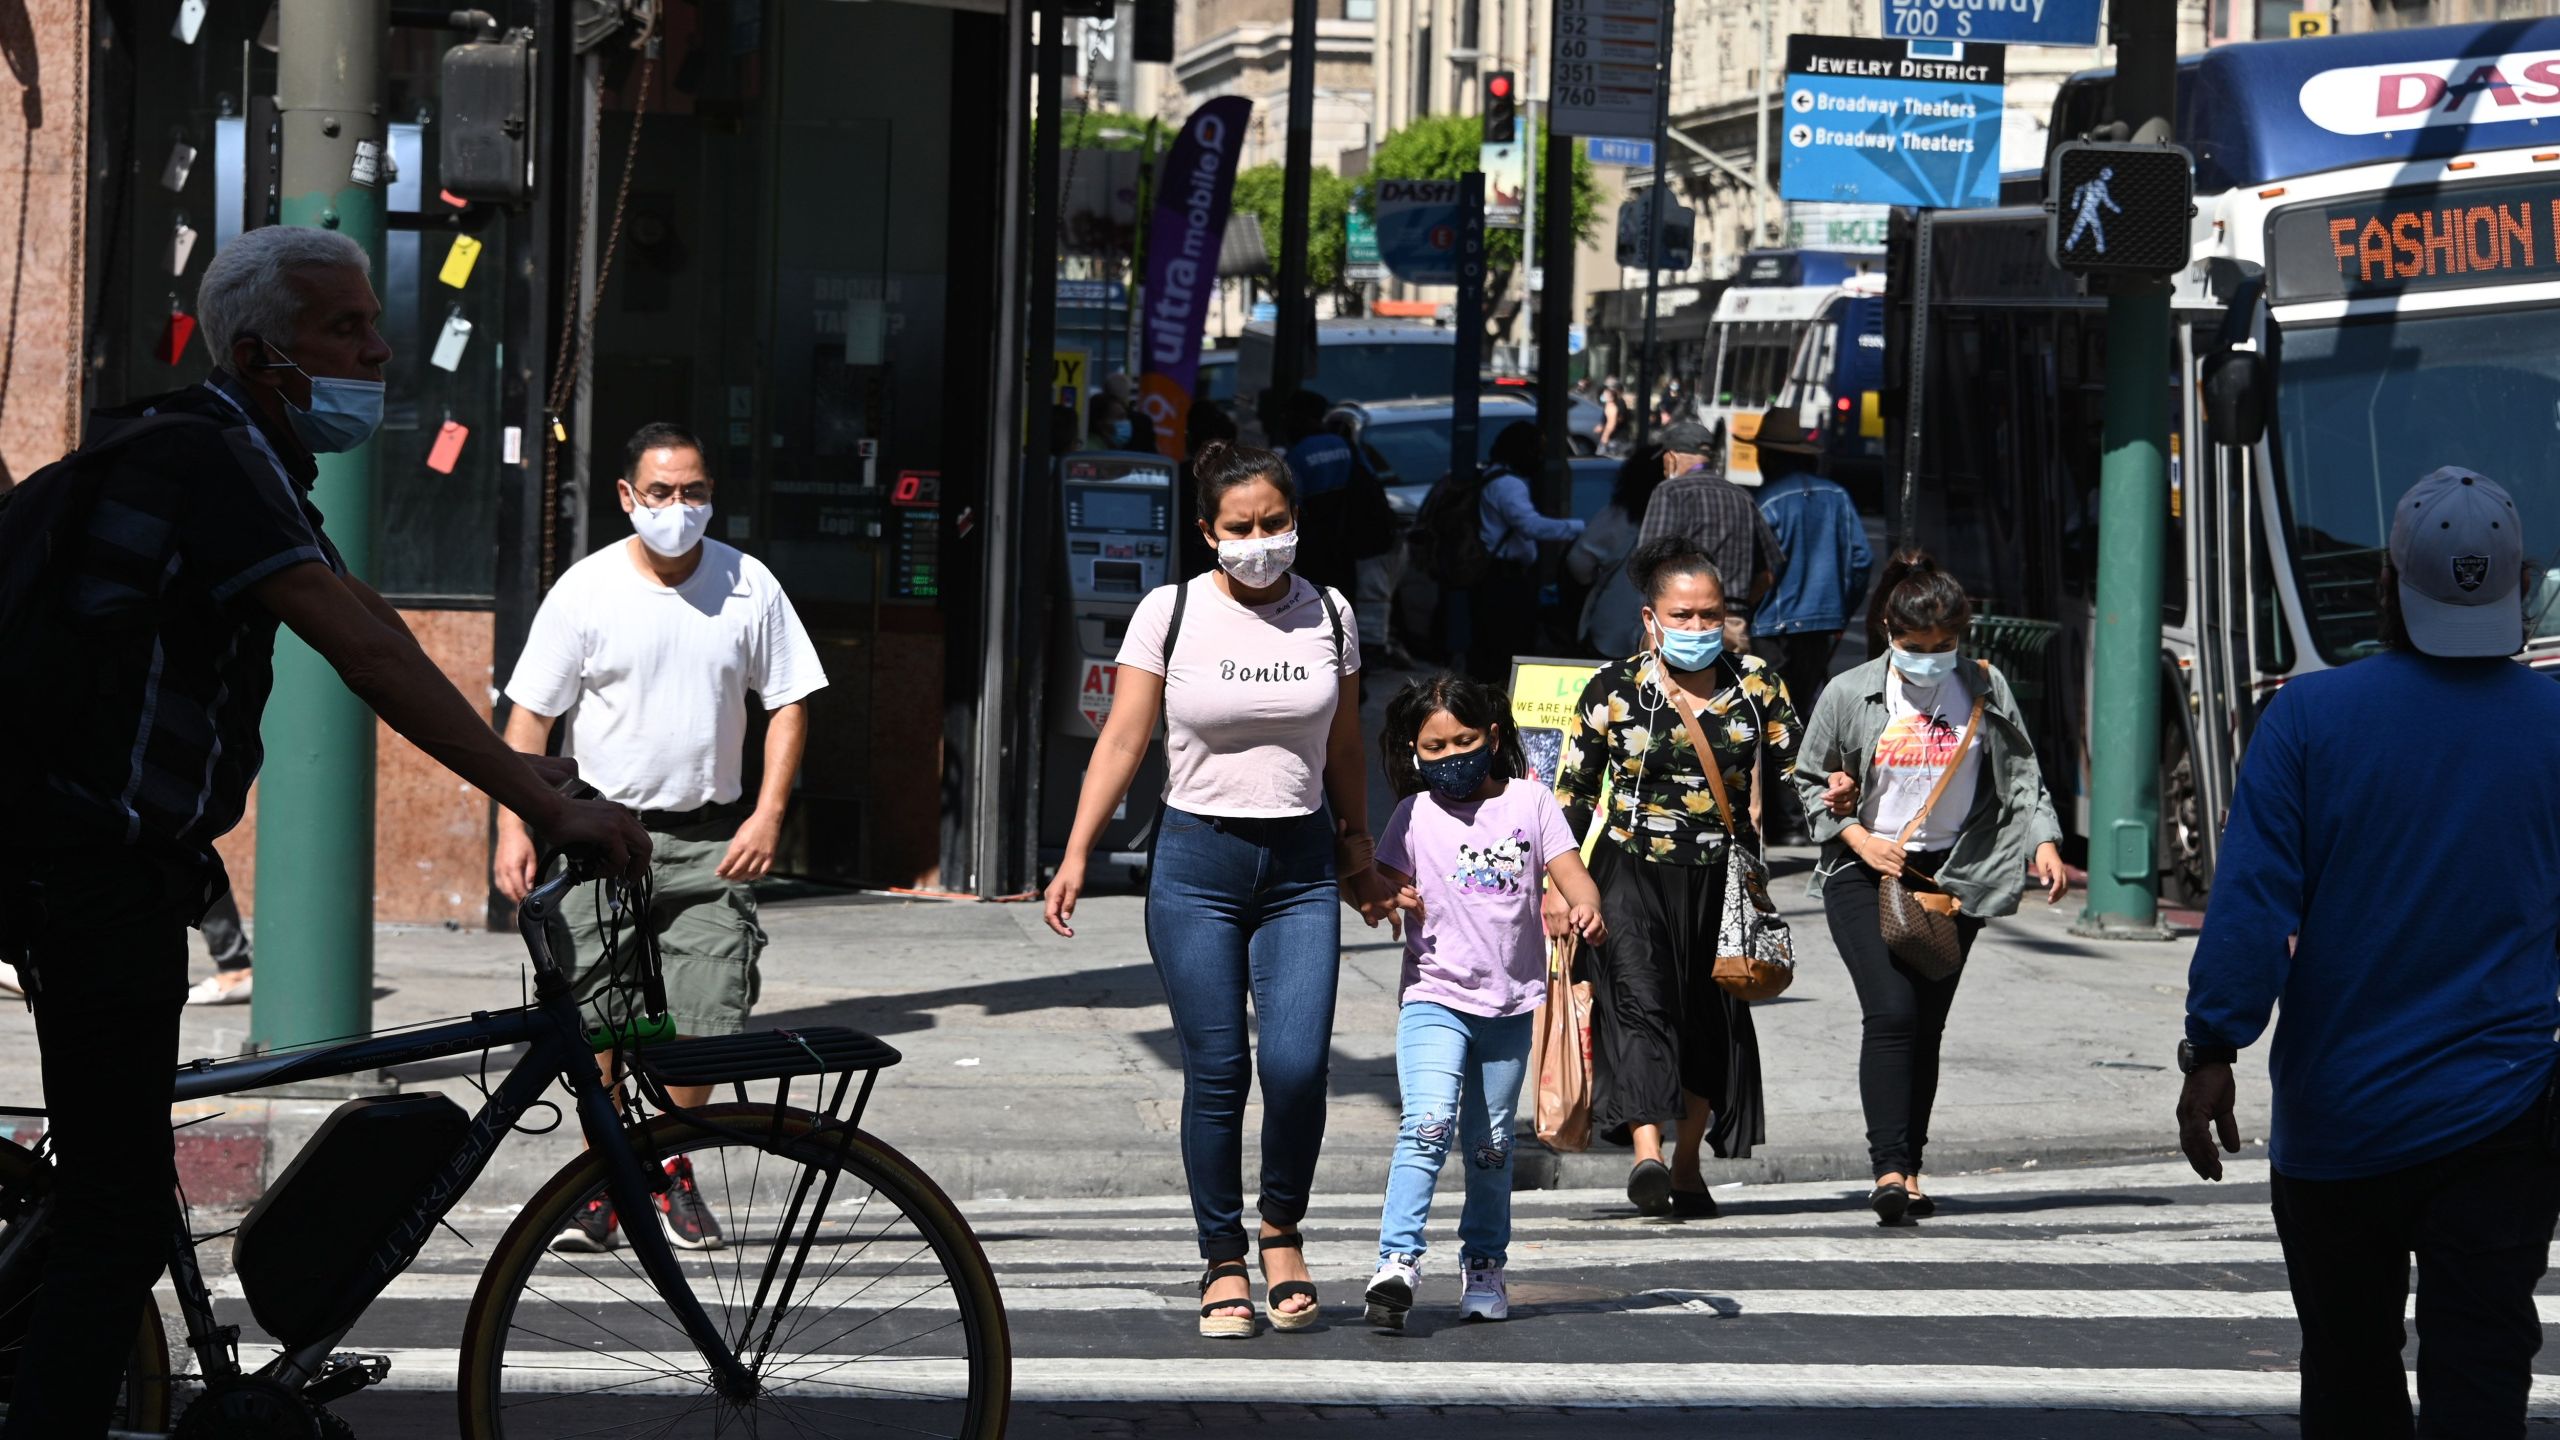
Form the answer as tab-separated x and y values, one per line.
2116	209
1155	32
1501	108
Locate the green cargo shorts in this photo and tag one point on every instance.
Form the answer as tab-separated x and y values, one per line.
708	938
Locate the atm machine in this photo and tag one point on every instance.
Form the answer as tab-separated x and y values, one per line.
1117	526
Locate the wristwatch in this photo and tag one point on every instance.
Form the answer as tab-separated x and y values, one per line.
2193	1057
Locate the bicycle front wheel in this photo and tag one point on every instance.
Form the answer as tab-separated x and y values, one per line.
842	1277
26	1199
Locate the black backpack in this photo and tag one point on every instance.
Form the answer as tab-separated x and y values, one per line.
1448	536
1182	596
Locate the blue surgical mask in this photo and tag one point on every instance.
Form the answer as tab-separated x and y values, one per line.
1457	777
1924	667
1120	434
1692	649
343	414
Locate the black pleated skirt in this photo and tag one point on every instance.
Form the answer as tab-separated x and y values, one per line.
1660	1025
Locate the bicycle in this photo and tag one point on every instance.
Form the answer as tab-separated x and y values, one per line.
914	1340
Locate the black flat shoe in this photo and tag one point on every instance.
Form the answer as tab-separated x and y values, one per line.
1891	1203
1649	1187
1693	1205
1920	1208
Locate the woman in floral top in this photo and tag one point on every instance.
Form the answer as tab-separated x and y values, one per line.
1670	1047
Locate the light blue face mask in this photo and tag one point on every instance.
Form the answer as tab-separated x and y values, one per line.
343	414
1120	434
1692	649
1924	667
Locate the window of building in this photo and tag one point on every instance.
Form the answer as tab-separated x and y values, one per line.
1359	9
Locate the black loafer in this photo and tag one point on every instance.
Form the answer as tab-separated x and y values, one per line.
1649	1187
1920	1208
1891	1203
1693	1205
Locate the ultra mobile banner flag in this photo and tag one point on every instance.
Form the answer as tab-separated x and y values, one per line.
1193	193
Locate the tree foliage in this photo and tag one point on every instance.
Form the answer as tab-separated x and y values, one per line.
1446	147
1259	192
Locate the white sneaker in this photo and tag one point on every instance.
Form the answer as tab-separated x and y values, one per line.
211	991
1391	1292
9	980
1487	1296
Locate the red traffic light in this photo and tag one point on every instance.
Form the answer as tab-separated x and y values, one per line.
1499	86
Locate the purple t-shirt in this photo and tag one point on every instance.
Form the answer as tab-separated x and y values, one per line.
1479	947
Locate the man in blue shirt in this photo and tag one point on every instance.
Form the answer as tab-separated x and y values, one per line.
1320	463
2393	885
1817	525
1503	607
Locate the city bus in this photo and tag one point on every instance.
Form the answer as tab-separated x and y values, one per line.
2377	227
1802	328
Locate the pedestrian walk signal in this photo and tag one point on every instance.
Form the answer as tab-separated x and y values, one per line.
2119	209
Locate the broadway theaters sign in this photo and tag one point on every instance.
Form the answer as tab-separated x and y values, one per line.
1193	192
1891	122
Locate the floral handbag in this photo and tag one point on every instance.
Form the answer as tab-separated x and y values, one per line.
1755	953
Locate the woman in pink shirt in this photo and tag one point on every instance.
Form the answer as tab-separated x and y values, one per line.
1256	675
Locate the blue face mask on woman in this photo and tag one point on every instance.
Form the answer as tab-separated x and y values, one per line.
1692	649
1120	434
1924	667
1457	777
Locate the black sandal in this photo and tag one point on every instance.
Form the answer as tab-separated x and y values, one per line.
1693	1204
1290	1289
1891	1203
1649	1187
1225	1327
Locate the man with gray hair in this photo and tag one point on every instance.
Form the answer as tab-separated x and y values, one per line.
142	581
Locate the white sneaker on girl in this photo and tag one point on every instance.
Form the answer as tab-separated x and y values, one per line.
1391	1292
1487	1296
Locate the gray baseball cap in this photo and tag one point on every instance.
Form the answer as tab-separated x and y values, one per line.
2457	546
1685	437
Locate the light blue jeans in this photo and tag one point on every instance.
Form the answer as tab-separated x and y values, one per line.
1461	1077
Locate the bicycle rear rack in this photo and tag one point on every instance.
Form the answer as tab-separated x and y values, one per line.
764	1055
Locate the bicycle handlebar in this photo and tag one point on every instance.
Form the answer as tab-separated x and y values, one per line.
579	865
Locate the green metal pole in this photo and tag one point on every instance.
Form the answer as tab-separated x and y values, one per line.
315	796
2133	527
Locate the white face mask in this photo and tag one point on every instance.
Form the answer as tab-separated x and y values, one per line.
672	531
1260	561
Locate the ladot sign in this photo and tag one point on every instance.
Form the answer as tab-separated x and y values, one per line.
1891	122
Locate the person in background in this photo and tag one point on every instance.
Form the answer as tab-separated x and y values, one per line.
1321	464
228	941
648	648
1612	621
1377	549
1113	428
1671	1049
2396	902
1614	432
1502	609
1205	421
1698	505
1799	621
1883	739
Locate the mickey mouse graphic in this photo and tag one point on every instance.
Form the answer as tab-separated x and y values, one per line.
1494	869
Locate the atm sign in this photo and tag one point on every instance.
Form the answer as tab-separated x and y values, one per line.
1101	685
2422	240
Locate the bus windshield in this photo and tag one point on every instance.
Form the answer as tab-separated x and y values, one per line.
2366	406
1384	370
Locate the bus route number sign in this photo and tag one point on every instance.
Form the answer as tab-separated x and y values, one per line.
2436	239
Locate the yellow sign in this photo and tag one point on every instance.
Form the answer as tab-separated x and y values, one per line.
1543	692
2307	23
1067	384
1741	456
459	260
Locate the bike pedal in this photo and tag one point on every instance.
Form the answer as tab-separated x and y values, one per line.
344	1374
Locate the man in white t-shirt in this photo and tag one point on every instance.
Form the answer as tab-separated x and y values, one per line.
648	648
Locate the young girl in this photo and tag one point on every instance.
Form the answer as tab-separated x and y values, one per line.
1466	849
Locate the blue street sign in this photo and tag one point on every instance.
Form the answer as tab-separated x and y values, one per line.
1418	229
1882	122
2005	22
1634	154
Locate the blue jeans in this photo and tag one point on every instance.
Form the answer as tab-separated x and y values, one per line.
1238	906
1459	1073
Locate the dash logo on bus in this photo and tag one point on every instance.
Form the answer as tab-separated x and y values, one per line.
2470	90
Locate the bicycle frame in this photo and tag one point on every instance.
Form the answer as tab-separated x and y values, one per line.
558	1051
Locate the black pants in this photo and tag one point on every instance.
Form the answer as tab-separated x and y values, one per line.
105	967
1905	1016
1502	619
2479	1220
225	935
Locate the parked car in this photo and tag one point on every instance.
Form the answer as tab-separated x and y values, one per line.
1407	441
1582	413
1357	359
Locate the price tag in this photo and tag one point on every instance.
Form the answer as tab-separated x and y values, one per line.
448	450
182	243
367	170
173	340
459	260
451	343
182	159
190	20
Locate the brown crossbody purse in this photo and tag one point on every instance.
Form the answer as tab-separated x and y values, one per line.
1919	918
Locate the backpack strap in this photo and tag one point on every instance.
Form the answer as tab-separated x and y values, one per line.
1333	614
1173	627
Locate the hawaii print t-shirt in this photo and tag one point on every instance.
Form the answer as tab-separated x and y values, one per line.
1479	946
1922	725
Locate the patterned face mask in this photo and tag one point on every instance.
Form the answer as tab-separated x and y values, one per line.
1457	777
1260	561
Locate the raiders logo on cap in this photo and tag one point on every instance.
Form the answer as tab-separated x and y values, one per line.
2470	570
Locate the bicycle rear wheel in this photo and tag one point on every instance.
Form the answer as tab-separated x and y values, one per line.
893	1319
142	1405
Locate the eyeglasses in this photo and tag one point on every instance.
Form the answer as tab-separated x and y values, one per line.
659	497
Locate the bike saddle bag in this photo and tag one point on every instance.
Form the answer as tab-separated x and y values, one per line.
348	1215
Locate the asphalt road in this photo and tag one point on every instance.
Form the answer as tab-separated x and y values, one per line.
2118	1301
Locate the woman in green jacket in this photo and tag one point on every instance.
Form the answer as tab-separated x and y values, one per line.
1884	735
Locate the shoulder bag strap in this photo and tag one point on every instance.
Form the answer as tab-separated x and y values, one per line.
1698	739
1947	776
